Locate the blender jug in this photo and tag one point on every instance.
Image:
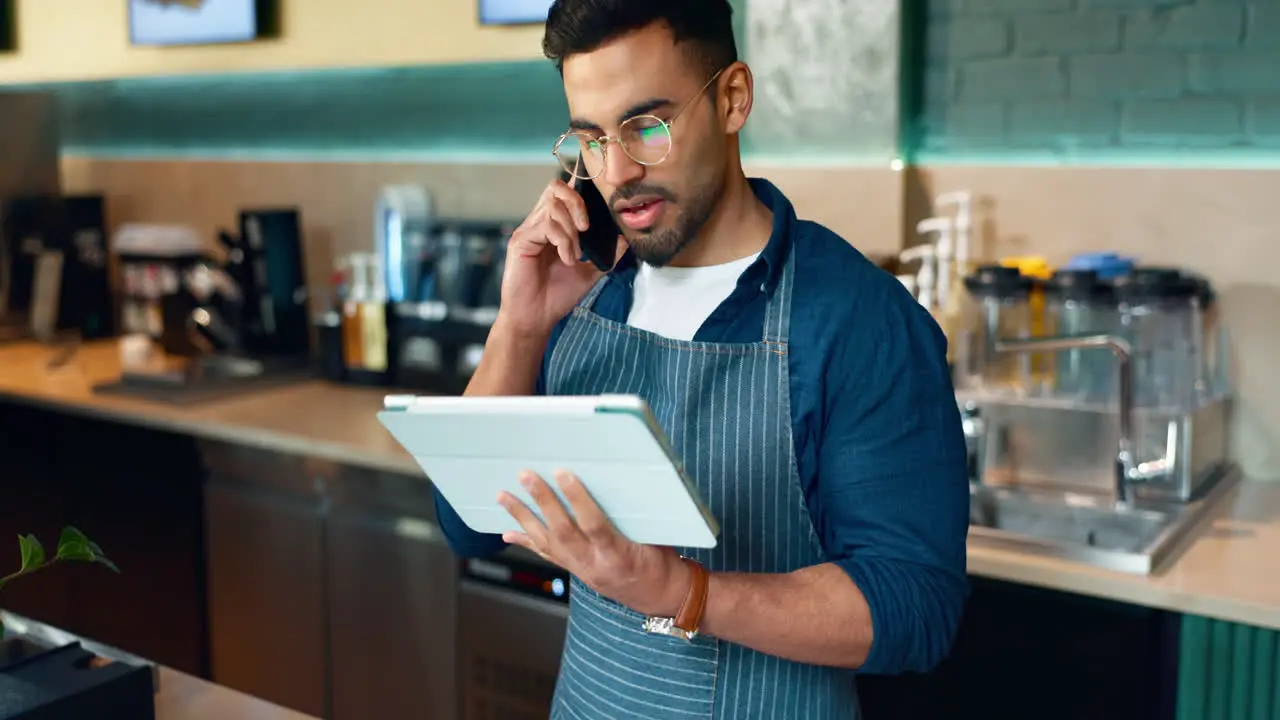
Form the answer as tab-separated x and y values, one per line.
1159	315
997	308
1078	302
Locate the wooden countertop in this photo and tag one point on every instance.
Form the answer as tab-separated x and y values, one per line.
311	418
1229	571
180	697
183	697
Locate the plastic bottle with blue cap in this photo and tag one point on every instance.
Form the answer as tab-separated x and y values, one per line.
1108	265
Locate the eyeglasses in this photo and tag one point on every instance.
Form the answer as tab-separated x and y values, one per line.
644	138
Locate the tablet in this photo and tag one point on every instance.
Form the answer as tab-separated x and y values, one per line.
471	448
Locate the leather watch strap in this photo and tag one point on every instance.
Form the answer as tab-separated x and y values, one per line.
689	618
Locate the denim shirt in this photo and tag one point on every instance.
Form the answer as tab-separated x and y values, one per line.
877	431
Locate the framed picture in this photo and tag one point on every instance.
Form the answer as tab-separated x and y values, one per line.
8	26
201	22
513	12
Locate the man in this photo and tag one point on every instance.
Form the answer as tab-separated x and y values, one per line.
803	388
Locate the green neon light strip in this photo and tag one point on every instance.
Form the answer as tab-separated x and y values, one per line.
1172	158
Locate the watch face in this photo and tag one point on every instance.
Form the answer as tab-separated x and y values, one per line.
667	626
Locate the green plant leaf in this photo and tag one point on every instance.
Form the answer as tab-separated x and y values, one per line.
71	534
32	552
75	545
76	551
85	552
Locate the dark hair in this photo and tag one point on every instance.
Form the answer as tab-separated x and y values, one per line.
705	27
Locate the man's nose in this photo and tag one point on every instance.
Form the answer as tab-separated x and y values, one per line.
619	168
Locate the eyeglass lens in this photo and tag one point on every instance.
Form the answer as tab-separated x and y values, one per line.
645	139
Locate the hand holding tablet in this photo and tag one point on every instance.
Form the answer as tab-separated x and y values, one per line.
475	449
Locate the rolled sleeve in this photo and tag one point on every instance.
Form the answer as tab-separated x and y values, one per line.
464	541
893	484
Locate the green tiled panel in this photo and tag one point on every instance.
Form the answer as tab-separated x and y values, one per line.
505	111
497	109
1228	671
487	112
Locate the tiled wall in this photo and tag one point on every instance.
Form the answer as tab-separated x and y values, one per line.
504	112
1090	78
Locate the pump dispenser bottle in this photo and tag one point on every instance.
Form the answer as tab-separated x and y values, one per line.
352	333
364	320
926	280
949	290
963	202
373	319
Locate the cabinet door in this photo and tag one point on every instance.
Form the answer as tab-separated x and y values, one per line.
509	650
393	590
33	502
136	492
266	586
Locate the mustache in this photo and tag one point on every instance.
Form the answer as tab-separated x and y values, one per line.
639	189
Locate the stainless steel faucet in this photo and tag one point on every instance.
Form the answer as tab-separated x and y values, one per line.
1126	469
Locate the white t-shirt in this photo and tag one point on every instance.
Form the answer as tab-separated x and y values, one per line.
675	301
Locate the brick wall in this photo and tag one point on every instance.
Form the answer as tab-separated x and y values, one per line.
1089	76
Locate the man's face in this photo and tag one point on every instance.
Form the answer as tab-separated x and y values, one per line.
660	208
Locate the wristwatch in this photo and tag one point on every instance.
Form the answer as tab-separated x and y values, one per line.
687	621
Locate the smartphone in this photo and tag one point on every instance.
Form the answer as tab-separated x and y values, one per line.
600	241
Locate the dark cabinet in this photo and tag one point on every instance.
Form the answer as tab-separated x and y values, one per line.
266	577
1026	652
509	648
34	501
393	593
331	590
136	492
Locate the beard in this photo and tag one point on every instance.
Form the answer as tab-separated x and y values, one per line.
657	247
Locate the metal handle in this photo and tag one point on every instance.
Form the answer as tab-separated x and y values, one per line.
975	430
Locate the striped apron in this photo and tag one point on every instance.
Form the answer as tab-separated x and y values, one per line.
726	409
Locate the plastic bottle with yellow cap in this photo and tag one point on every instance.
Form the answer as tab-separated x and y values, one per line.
1040	271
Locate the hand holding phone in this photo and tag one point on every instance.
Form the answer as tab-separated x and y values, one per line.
599	242
556	255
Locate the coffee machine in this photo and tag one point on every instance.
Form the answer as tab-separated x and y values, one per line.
29	146
57	260
223	324
266	263
439	330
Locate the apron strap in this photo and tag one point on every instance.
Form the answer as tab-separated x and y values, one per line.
777	316
590	298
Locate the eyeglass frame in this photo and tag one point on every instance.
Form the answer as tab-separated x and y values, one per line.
604	140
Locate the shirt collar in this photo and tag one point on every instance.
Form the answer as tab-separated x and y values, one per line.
767	269
776	252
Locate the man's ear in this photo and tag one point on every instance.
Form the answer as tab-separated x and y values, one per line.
735	95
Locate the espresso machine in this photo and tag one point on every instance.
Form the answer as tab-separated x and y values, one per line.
58	266
29	146
440	326
222	324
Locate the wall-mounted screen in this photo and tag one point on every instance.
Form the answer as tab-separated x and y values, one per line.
197	22
8	28
513	12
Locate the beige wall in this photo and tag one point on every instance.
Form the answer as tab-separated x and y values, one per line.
1220	222
337	198
89	39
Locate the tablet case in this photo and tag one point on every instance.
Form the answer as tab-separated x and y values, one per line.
472	448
